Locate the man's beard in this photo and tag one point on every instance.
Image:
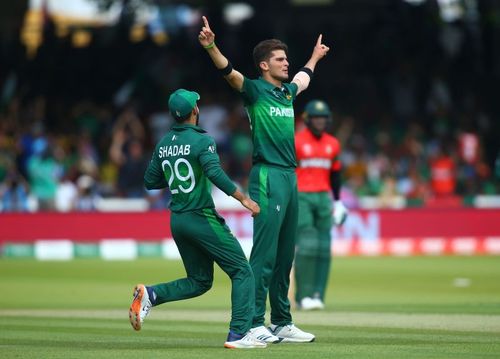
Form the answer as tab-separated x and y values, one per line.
315	131
281	78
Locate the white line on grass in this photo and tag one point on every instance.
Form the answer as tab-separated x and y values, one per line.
452	322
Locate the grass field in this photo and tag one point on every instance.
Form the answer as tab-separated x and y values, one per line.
422	307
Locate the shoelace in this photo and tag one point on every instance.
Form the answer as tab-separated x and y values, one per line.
261	337
146	309
292	329
251	340
247	338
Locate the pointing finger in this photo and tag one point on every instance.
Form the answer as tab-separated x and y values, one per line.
320	37
205	21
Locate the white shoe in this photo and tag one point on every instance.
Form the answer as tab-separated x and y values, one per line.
308	303
319	303
247	342
140	307
291	334
264	335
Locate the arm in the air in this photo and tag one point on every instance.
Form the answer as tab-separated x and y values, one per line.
207	40
303	77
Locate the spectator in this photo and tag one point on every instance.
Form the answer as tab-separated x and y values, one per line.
44	173
87	197
131	171
14	193
443	175
66	195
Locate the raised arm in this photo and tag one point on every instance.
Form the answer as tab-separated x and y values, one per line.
303	77
207	40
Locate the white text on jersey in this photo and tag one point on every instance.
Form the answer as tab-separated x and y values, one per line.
281	112
316	162
175	150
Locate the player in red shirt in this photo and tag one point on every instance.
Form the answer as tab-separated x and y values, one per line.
318	174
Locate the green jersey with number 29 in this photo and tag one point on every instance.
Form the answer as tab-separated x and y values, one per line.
184	161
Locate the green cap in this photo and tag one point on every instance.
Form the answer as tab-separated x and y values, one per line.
182	102
317	108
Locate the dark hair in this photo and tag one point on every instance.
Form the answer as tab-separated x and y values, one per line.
182	119
264	49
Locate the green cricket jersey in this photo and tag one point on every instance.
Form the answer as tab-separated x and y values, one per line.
272	121
184	161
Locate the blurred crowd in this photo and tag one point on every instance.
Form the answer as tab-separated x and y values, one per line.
102	152
414	99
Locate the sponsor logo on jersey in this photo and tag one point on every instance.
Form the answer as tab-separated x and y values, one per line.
281	112
316	162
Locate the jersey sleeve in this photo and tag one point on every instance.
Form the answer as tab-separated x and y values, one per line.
210	163
249	92
154	177
336	164
293	88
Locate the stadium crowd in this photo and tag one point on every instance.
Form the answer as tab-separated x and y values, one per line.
417	121
102	151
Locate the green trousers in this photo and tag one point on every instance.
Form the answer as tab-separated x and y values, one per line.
274	237
203	238
313	257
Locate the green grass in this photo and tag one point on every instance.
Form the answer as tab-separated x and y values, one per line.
376	308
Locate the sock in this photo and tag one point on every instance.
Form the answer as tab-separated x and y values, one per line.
232	336
152	295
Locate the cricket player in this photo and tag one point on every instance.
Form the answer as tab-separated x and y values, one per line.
318	175
184	160
272	183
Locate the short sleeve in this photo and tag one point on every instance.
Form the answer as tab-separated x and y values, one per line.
293	88
336	164
249	92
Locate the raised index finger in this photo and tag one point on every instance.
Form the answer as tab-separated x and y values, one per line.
320	37
205	21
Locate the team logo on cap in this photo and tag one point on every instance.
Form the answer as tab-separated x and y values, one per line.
320	106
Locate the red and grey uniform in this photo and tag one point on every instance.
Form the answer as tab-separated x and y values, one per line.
318	165
317	158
